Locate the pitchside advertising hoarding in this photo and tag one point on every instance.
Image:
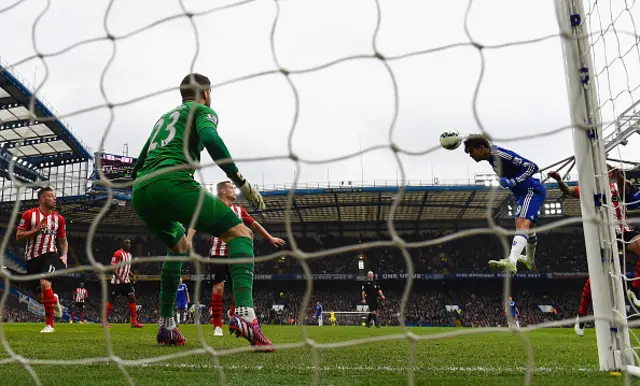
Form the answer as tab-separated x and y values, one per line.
398	276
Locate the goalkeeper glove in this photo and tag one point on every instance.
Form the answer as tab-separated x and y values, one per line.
507	182
248	191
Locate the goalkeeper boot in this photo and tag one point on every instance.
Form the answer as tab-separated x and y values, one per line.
57	309
578	328
170	337
503	264
260	339
241	328
531	265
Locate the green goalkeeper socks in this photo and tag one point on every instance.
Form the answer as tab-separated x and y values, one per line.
241	274
169	281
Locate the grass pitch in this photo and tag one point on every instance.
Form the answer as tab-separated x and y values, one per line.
561	358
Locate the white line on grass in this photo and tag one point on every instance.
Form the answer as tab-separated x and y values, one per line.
434	369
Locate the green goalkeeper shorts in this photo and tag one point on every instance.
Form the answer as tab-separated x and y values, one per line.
170	200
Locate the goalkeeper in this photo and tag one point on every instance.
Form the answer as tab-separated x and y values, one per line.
166	199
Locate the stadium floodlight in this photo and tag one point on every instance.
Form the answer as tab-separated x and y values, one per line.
486	179
552	209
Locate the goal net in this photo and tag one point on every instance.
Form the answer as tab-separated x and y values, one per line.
602	59
600	43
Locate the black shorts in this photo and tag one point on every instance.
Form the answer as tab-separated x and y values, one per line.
79	306
218	272
121	289
373	306
627	237
44	263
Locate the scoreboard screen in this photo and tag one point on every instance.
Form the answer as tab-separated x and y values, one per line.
115	167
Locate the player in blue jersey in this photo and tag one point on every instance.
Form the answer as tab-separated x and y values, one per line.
182	303
515	313
517	174
319	313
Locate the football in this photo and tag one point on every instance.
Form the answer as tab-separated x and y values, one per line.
450	140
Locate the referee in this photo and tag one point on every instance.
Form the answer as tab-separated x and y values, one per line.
370	292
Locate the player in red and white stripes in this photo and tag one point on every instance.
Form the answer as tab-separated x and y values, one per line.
628	238
41	227
121	283
219	272
79	296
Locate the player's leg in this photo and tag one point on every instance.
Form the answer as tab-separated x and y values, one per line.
42	264
585	302
218	275
527	212
320	321
133	311
80	319
73	314
215	218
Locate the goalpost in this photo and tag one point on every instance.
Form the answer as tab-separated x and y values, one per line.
605	271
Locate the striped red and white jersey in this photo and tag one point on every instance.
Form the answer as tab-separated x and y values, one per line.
121	275
619	211
219	247
80	295
45	240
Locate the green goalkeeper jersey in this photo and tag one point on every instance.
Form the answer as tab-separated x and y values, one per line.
165	147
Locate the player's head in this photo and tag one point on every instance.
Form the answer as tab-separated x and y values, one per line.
510	299
227	190
478	147
370	275
196	87
47	198
180	280
126	244
81	285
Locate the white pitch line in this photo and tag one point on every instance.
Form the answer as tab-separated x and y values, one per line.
435	369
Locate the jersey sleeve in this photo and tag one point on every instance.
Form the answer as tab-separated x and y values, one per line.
62	227
246	217
25	222
205	118
117	257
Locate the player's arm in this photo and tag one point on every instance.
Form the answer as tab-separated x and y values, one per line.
206	125
62	237
190	233
380	293
572	191
186	290
248	220
364	295
141	158
24	230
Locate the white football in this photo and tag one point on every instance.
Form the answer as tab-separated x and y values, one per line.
450	140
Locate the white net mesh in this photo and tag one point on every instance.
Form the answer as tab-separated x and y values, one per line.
616	53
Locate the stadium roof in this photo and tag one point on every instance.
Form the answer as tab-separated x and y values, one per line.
36	140
418	203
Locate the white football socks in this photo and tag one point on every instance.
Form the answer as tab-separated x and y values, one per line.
168	323
246	313
519	243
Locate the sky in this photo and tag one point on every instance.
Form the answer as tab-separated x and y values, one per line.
342	108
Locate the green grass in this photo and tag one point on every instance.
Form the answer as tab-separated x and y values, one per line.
561	358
